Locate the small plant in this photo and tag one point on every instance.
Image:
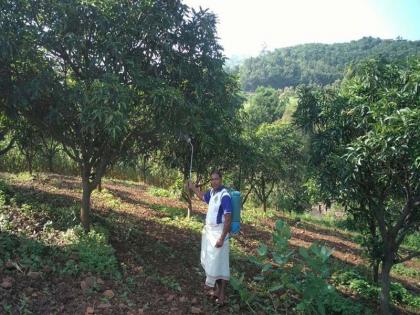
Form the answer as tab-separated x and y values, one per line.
286	273
412	241
5	193
168	281
94	252
8	309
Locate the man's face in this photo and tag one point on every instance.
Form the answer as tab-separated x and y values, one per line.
216	181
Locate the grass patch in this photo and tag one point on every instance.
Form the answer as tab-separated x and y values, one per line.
172	212
400	269
106	198
412	241
35	234
159	192
359	284
250	215
93	251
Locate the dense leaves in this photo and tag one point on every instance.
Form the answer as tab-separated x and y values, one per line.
317	63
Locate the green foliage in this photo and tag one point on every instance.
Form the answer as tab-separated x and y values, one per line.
317	63
365	146
159	192
107	198
406	271
265	106
358	284
363	288
60	236
5	193
94	251
169	282
306	274
400	295
274	159
105	101
412	241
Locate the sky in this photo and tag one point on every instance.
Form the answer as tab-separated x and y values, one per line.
246	27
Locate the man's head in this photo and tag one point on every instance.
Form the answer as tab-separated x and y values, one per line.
216	179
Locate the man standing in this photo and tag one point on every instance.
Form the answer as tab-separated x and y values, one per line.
215	241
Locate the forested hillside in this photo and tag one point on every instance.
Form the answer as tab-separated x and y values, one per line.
317	63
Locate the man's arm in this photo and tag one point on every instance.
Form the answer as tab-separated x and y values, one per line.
226	230
227	208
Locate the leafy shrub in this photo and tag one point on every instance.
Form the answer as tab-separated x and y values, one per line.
356	282
6	193
285	272
95	253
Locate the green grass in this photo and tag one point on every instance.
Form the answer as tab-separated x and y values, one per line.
159	192
250	215
400	269
171	212
95	254
107	198
23	177
412	241
37	234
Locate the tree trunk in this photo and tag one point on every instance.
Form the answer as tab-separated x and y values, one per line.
144	168
187	193
376	261
50	162
100	185
85	210
245	198
264	199
240	179
189	206
375	271
385	286
29	161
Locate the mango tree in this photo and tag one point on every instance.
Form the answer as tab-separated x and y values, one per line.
365	145
278	153
99	75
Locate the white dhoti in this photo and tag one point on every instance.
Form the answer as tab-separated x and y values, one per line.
215	261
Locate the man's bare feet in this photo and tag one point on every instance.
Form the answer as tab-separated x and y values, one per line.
221	293
212	292
220	301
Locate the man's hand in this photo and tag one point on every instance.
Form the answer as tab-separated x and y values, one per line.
220	242
189	185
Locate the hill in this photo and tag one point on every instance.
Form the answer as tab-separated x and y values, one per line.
318	63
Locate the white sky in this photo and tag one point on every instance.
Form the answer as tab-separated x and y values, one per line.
246	26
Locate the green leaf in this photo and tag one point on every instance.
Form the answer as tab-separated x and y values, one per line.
267	267
276	287
262	250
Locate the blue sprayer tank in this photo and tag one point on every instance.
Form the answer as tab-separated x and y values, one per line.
235	197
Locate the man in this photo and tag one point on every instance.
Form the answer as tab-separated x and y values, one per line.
215	241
